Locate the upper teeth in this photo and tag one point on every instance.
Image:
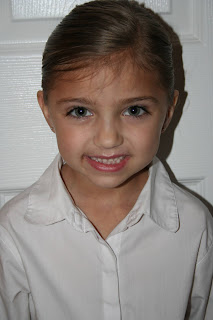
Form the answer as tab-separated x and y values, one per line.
108	161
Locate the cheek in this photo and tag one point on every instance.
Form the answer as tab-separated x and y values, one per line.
147	133
147	139
70	139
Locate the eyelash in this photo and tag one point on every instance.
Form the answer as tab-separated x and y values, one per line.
69	113
137	107
141	109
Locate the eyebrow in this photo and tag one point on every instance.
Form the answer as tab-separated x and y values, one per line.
124	101
135	99
77	100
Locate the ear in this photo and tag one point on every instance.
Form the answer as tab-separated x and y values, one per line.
170	111
45	109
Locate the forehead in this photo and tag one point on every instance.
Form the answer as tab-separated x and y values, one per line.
115	80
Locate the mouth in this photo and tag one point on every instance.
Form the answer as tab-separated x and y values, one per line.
108	164
113	160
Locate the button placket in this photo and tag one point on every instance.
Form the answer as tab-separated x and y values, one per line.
110	283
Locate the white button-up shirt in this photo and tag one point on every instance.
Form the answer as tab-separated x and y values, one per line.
157	264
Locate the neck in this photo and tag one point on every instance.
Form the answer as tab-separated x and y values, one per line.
81	187
104	207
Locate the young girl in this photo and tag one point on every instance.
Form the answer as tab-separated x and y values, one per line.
104	234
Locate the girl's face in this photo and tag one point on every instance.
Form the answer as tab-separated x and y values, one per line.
108	125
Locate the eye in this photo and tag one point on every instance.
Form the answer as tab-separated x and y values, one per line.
79	112
135	111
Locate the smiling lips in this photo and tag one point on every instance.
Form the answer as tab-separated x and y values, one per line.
108	164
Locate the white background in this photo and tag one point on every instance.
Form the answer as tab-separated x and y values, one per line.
27	146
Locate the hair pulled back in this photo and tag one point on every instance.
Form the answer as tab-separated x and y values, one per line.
94	31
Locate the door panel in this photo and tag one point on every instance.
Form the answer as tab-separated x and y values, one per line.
27	146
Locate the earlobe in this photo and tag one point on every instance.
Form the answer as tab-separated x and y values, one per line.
44	109
170	111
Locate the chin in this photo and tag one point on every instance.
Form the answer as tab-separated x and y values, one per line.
108	183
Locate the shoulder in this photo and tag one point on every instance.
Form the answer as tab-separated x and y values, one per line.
11	215
194	217
16	207
10	259
38	193
191	206
192	211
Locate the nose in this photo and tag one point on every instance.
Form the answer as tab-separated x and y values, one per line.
108	134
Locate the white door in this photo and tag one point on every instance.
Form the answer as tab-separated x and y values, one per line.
27	146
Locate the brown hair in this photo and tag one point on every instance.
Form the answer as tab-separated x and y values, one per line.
96	30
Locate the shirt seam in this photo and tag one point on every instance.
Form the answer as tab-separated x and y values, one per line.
206	254
176	207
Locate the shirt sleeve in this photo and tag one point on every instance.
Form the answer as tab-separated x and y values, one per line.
14	292
200	306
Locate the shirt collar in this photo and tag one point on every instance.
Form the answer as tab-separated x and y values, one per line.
161	202
49	201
